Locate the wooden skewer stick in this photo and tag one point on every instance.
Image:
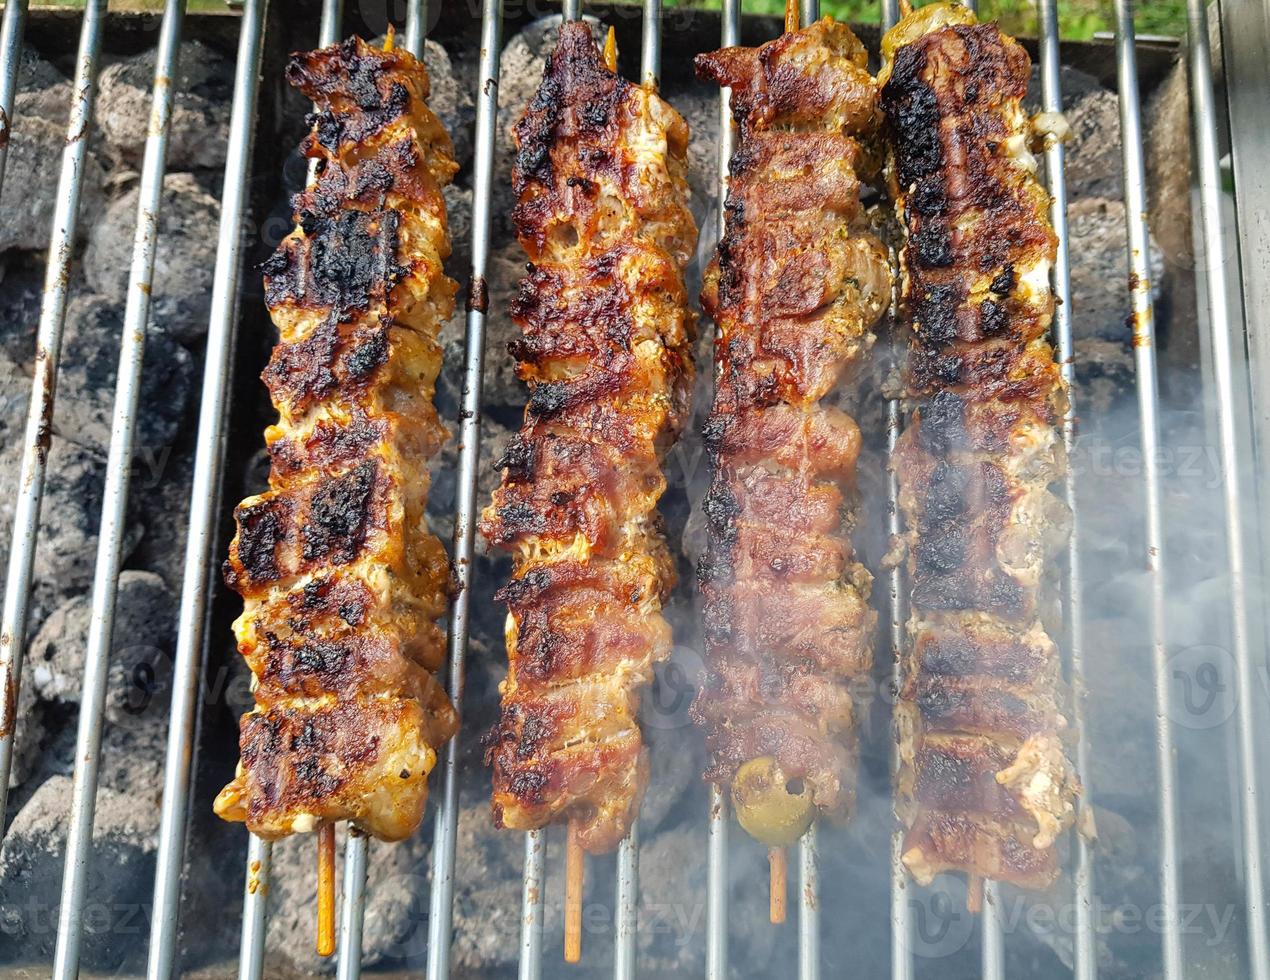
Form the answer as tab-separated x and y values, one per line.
906	8
974	894
610	50
791	16
779	867
574	866
326	890
390	39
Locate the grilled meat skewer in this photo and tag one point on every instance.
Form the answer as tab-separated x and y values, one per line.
342	583
796	288
600	177
985	786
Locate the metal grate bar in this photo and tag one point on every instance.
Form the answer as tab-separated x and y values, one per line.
251	951
992	950
440	923
532	905
1148	406
717	828
10	56
353	909
416	26
48	349
625	952
901	926
809	907
627	919
115	501
1085	965
1223	340
204	511
809	880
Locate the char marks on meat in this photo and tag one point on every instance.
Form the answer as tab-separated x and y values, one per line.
342	584
796	290
985	785
600	178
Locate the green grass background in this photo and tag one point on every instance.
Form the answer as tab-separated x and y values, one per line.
1078	19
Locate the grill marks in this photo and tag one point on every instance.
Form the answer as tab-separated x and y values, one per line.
605	331
342	584
985	785
796	288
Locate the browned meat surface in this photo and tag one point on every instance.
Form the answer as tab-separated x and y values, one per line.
605	326
796	289
342	584
985	786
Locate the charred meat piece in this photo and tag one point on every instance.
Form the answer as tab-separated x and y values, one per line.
342	584
985	785
606	327
796	288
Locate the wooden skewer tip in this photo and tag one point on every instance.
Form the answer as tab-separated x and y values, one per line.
610	50
574	869
390	39
791	16
778	865
326	890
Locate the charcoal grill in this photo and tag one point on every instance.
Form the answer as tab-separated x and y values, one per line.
1234	313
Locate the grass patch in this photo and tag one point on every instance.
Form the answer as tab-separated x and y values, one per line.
1077	19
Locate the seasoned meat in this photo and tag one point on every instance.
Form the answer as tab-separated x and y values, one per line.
342	584
796	288
600	178
985	786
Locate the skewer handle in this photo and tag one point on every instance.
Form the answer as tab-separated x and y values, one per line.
574	867
779	867
326	890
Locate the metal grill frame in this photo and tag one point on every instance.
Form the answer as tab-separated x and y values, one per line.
1243	429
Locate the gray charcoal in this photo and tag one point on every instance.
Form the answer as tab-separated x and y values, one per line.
181	293
144	639
70	516
200	114
86	382
120	887
30	184
1100	269
451	100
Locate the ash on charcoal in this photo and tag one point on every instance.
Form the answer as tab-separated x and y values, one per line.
451	99
30	184
15	396
161	487
1100	269
184	261
142	646
202	89
86	380
396	920
1092	164
43	91
69	517
21	288
120	885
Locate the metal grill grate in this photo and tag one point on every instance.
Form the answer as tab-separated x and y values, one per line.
1225	335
